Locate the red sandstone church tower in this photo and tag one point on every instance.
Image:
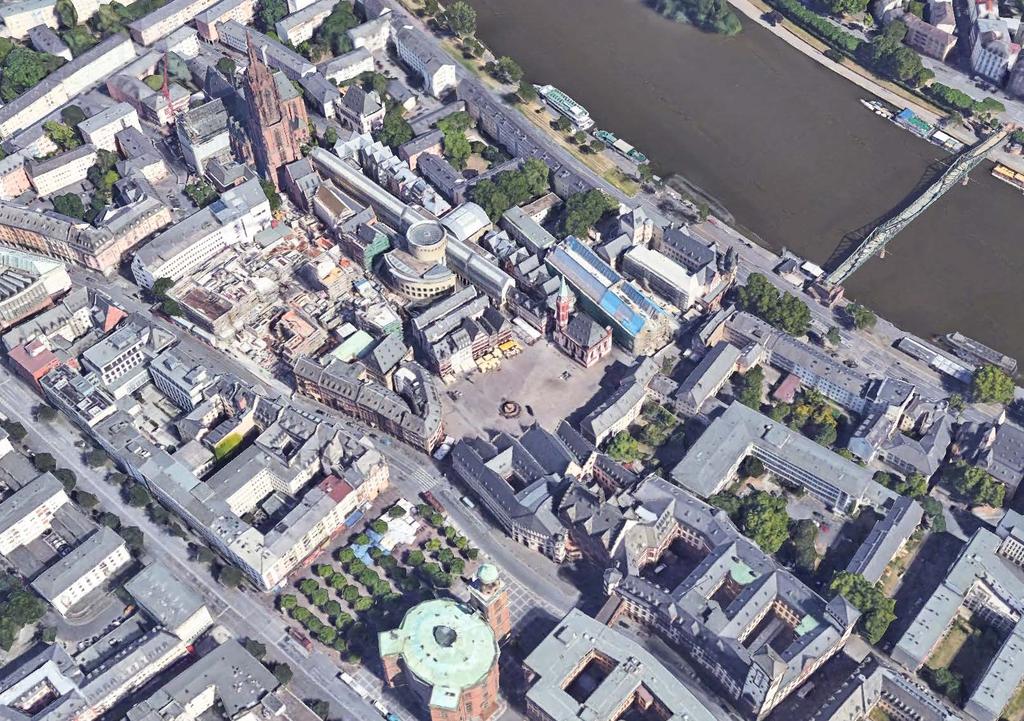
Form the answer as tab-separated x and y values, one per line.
278	124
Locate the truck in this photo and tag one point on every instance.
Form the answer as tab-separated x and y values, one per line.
301	639
432	501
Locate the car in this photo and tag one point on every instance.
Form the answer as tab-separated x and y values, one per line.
467	502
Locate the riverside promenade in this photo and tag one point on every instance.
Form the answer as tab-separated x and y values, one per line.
862	78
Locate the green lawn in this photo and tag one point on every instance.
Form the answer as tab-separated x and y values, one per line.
950	645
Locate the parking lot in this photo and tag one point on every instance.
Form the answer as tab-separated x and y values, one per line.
534	379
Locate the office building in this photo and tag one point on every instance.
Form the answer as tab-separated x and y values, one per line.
412	411
518	482
61	171
987	585
711	462
227	680
28	512
586	671
298	27
707	378
242	12
100	130
235	218
437	75
71	577
754	629
172	604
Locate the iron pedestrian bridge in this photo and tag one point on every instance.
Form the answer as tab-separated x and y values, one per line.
876	241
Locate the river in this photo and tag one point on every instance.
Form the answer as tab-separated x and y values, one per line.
784	145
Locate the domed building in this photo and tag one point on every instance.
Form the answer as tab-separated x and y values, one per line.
448	655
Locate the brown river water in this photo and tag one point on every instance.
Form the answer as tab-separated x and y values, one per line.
786	147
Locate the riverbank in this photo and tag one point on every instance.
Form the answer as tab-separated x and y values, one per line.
786	146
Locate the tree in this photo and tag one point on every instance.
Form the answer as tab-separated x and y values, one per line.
624	448
273	197
751	388
69	204
72	115
709	15
282	672
268	12
67	16
506	70
230	576
782	310
860	317
526	92
64	136
227	67
584	210
934	514
975	484
395	129
110	520
346	556
887	55
579	137
205	555
138	496
363	603
460	18
957	404
833	336
161	286
96	458
15	430
991	384
752	467
380	526
597	146
86	500
133	538
431	8
396	511
45	413
78	39
67	477
331	37
800	548
256	649
563	124
24	69
415	558
329	138
44	462
457	149
844	7
878	610
764	521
